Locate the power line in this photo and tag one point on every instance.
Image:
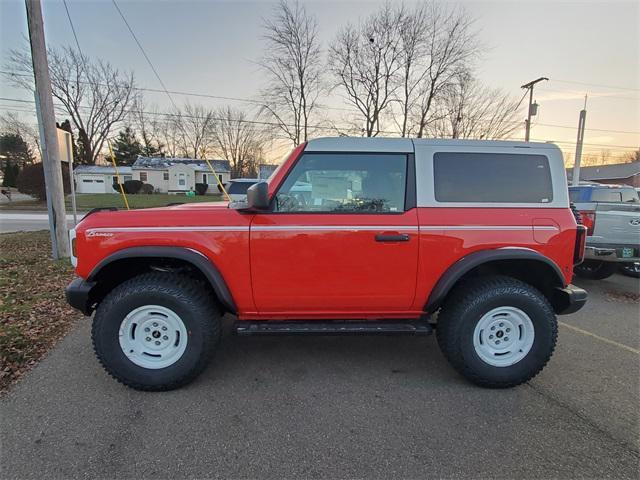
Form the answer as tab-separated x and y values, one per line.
144	53
73	28
188	94
322	127
596	85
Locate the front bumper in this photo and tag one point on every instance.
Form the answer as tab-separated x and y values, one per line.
569	299
613	253
78	294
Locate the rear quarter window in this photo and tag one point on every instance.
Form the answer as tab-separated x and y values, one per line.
492	178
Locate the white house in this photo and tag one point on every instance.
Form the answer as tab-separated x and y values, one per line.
179	175
167	175
99	179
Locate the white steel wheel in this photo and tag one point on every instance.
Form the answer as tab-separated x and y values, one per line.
503	336
153	337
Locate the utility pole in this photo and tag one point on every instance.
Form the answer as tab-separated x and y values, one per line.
576	166
49	137
530	111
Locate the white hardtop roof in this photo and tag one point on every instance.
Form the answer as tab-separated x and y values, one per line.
400	145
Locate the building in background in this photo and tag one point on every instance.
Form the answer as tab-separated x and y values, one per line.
617	173
98	178
166	175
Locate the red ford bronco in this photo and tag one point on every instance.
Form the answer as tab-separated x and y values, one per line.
475	239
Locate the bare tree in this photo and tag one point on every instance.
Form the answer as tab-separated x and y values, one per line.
10	122
193	126
366	61
239	141
471	110
293	66
94	94
148	125
438	46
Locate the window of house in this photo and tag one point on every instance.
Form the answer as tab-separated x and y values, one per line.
492	178
182	180
204	178
165	176
143	176
220	178
349	183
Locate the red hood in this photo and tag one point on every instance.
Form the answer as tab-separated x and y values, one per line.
191	214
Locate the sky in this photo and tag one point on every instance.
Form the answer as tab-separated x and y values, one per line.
210	47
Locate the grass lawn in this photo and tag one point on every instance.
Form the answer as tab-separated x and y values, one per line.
33	312
87	201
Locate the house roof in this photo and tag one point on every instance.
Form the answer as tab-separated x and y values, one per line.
163	163
606	172
101	170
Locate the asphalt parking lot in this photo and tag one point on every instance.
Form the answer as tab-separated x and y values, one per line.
336	407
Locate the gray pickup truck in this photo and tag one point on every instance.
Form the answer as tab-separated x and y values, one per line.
611	214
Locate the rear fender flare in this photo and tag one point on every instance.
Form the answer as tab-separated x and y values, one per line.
473	260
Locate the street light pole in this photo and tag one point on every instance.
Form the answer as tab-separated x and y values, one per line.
529	86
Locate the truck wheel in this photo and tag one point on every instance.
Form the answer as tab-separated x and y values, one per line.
595	269
631	269
156	331
498	332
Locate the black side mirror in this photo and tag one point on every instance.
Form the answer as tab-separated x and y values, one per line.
258	196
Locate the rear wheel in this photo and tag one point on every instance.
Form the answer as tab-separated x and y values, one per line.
595	269
497	332
156	331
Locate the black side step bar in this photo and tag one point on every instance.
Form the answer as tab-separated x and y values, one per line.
332	327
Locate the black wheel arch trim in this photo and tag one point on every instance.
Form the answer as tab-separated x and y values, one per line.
194	257
475	259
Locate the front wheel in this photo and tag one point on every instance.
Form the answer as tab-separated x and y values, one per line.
631	269
595	269
498	332
156	331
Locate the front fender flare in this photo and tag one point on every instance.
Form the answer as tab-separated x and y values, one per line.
473	260
195	258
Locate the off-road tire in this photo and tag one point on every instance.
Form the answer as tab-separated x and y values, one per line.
188	298
463	310
595	269
631	269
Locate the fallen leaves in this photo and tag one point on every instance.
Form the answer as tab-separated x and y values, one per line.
33	312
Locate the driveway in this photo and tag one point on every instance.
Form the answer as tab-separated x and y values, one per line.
336	407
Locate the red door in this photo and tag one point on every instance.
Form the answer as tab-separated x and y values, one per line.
341	241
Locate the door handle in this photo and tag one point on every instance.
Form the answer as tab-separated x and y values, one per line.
394	237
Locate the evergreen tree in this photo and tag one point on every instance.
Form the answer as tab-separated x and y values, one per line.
126	147
14	155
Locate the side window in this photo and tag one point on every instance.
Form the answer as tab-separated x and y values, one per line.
165	176
143	176
629	195
606	195
345	183
492	178
182	182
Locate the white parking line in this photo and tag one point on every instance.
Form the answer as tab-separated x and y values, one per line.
606	340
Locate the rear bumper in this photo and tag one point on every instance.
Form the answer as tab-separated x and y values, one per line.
612	253
78	294
569	299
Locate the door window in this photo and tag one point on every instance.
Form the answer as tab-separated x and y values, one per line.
345	183
182	181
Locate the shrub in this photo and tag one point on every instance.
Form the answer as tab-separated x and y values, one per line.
132	186
147	188
201	188
31	180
